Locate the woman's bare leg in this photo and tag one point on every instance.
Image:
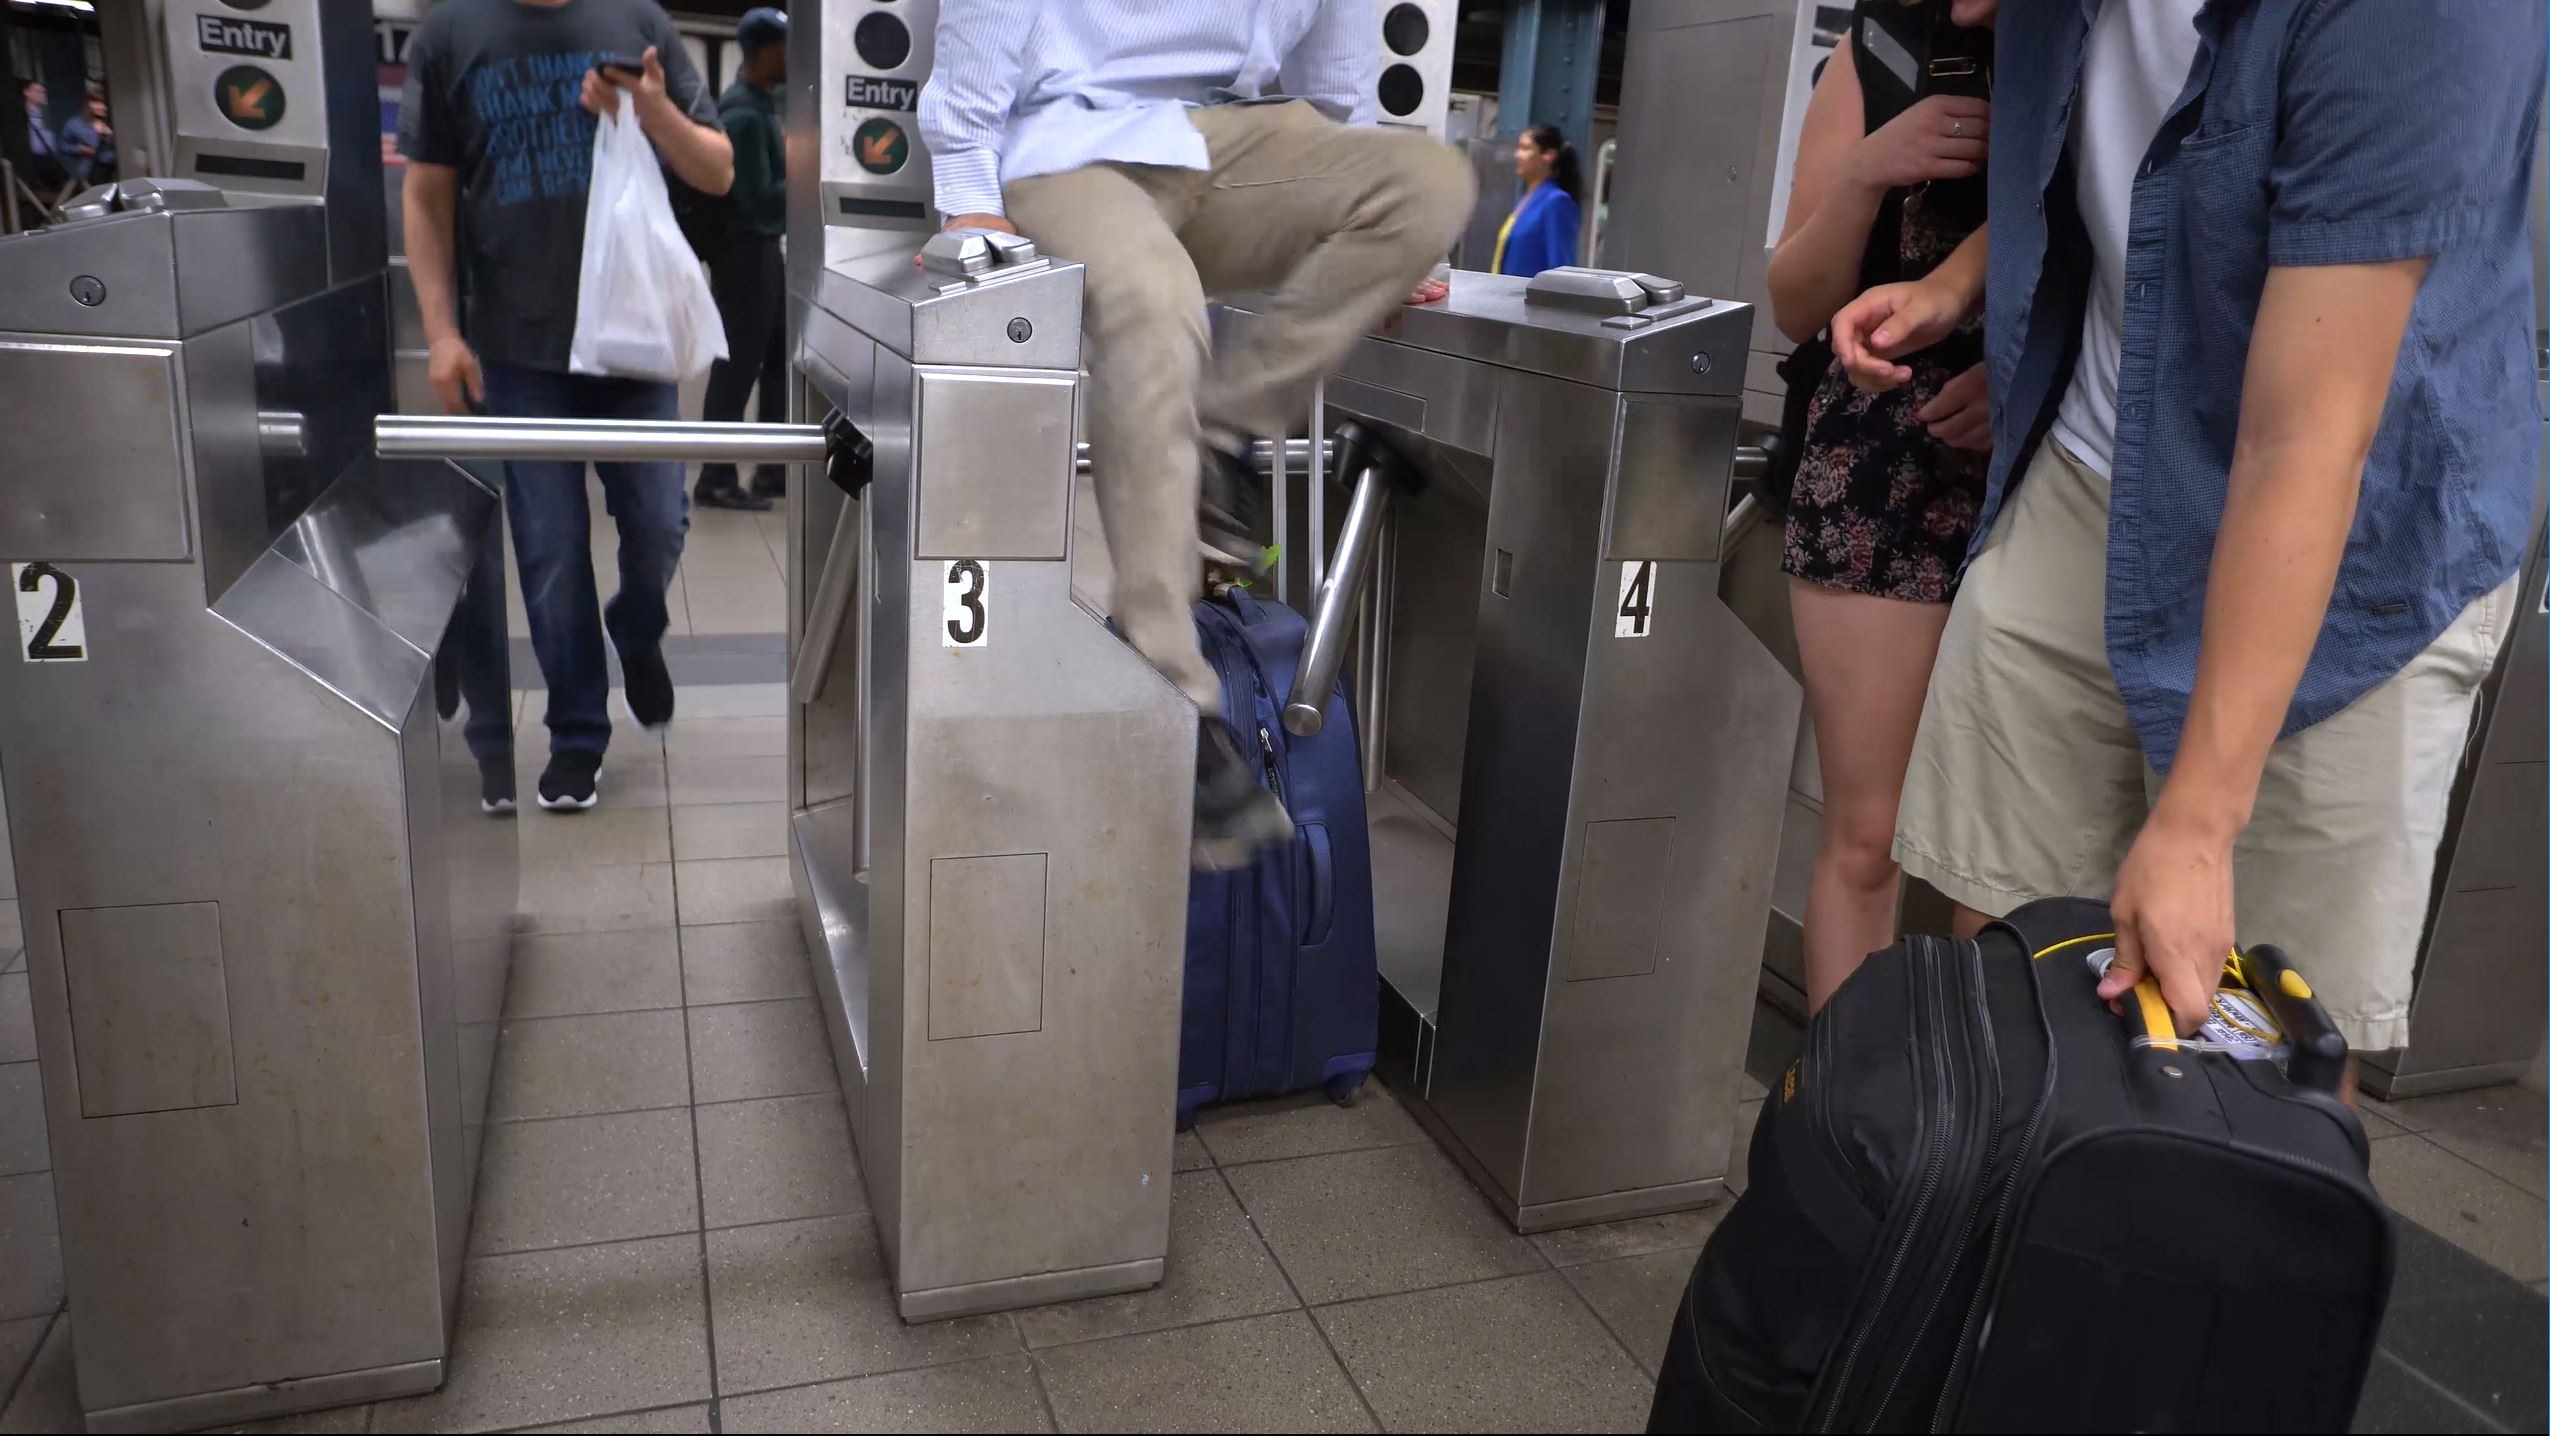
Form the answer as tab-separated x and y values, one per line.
1867	663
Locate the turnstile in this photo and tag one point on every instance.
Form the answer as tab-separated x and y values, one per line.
1578	750
267	926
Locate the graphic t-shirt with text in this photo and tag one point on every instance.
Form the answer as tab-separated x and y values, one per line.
491	92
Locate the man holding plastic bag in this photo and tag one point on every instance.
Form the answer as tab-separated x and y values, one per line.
530	129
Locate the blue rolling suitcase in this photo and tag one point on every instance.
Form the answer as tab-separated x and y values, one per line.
1282	994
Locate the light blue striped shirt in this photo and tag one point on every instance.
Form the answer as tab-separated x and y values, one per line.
1036	87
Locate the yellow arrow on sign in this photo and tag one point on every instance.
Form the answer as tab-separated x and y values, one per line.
251	99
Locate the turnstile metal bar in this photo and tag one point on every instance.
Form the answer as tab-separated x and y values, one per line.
473	437
1269	461
834	588
470	437
1333	607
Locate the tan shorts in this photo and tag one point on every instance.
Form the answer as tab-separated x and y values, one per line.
2027	780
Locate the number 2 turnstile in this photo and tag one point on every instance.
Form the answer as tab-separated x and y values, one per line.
267	926
1577	749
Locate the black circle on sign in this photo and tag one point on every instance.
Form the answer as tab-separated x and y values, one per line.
1406	29
245	4
882	42
1402	90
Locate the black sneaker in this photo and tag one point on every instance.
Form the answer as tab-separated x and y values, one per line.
496	787
649	686
725	493
1235	816
770	484
571	780
1231	507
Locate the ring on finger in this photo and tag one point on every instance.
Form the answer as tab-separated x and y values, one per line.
1956	129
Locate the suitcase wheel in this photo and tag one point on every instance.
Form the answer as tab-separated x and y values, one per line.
1345	1090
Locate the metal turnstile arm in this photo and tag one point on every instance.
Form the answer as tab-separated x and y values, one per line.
475	438
1377	470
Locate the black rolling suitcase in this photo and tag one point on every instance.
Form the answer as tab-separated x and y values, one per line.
1980	1201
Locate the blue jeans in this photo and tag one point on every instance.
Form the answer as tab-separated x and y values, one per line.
480	656
545	503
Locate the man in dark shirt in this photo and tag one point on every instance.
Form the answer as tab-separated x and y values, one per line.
497	124
744	268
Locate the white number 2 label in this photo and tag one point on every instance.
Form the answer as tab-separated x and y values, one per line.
966	604
1636	617
50	629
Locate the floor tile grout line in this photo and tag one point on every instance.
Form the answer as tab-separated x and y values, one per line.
1300	1303
949	1364
1603	1321
1045	1398
17	1378
1418	1139
664	1106
2428	1138
699	1179
2439	1388
701	1231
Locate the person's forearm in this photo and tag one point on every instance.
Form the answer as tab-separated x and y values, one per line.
2284	530
428	234
696	152
1815	271
1960	275
965	107
2318	376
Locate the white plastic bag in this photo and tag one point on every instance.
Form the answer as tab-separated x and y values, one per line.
643	307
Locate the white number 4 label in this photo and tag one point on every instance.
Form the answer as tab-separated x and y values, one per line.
1636	617
966	604
50	629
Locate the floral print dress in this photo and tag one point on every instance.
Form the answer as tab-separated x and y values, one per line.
1879	506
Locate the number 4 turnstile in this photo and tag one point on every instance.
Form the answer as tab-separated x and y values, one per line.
1578	751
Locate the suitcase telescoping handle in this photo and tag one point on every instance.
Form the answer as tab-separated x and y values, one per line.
2316	1055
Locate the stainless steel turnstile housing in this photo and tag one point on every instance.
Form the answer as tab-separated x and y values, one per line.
991	793
1578	751
266	924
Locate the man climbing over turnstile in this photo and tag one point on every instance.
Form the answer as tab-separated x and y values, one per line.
495	126
1150	143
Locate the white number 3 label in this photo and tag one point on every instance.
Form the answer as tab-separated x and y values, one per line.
50	629
966	604
1636	617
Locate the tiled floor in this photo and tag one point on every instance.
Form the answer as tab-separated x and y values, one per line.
671	1233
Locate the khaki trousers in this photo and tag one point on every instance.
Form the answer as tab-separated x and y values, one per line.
2027	780
1340	223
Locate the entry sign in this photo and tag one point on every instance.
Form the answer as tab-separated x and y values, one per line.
249	97
1636	616
966	604
221	35
50	628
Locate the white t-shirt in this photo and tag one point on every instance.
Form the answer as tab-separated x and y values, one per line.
2139	54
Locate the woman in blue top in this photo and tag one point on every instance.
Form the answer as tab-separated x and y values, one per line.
1541	232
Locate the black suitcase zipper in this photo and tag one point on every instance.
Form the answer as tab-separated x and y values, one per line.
1964	961
1969	1334
1937	1040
